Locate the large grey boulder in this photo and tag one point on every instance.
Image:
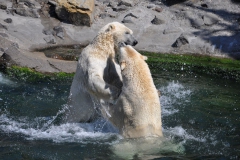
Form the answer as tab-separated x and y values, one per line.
77	12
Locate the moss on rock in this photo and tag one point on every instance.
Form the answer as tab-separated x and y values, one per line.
214	66
30	75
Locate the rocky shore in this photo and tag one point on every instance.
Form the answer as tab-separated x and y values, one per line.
210	27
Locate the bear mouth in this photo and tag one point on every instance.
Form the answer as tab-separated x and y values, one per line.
134	43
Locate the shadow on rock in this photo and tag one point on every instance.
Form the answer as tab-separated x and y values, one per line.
235	1
212	29
172	2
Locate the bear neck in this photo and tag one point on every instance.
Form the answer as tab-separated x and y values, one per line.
105	42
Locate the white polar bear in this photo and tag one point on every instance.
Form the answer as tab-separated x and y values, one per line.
137	112
97	76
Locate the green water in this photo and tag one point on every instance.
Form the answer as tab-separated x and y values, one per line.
200	115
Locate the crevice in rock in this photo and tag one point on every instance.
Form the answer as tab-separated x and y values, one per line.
53	66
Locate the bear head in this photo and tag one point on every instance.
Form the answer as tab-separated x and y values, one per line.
120	32
128	55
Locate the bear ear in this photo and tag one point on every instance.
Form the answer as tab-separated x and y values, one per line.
110	27
122	65
144	58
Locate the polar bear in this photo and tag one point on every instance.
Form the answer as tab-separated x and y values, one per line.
98	76
137	112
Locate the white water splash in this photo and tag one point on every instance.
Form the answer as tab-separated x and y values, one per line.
4	80
69	132
173	93
180	132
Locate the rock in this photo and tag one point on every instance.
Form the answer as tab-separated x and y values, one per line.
14	44
53	3
158	9
131	15
204	5
151	6
157	21
173	2
120	8
4	35
77	12
103	15
31	3
208	36
48	31
8	20
171	30
1	52
23	10
197	22
3	5
3	26
37	60
180	41
126	3
128	20
113	14
112	4
59	31
210	19
236	1
108	14
50	39
45	10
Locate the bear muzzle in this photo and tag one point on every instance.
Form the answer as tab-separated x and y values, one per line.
135	43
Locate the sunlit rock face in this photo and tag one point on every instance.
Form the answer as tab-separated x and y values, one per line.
77	12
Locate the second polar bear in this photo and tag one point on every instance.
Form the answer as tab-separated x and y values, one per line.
97	76
138	111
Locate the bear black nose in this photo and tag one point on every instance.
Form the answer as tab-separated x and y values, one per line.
135	43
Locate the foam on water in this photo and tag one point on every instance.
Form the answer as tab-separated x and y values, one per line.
69	132
180	132
5	81
172	94
42	128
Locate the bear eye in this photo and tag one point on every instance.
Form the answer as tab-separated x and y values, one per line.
127	32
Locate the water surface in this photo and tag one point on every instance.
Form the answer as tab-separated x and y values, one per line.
200	118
